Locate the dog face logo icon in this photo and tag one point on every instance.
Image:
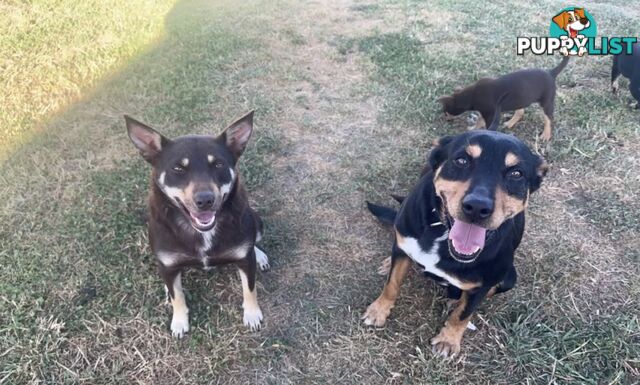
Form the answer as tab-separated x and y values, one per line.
573	26
573	22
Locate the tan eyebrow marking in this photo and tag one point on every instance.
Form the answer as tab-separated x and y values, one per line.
184	162
511	159
210	158
474	150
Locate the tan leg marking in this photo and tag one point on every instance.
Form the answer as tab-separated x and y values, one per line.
517	115
252	317
447	342
546	133
379	310
180	320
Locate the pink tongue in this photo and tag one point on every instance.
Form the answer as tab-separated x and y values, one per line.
204	217
467	238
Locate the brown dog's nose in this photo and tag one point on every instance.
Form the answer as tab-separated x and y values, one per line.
204	199
584	21
477	207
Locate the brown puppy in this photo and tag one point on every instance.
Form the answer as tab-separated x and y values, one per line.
522	88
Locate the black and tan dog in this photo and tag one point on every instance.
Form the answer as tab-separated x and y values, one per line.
522	88
462	224
199	211
627	65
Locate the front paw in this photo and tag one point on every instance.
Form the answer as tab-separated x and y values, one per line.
179	325
377	313
252	318
446	344
262	259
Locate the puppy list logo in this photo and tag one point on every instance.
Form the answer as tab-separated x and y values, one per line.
573	31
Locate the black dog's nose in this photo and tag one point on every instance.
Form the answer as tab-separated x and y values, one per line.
204	199
477	206
584	21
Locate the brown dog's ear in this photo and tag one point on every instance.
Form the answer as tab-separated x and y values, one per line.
561	19
237	135
580	12
146	139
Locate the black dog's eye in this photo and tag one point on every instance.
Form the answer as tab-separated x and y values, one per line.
461	161
218	164
179	169
515	174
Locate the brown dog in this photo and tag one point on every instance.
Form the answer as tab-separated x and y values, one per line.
518	89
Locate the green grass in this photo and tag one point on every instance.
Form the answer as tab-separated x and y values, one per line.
55	52
345	98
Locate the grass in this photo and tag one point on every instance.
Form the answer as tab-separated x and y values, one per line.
345	97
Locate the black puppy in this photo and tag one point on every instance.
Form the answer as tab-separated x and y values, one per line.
522	88
462	224
199	213
629	66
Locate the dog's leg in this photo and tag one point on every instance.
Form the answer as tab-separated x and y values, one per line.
447	342
379	310
547	105
173	283
252	317
615	74
508	283
262	259
517	115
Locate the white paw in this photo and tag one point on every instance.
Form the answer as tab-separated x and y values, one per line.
262	259
180	325
252	318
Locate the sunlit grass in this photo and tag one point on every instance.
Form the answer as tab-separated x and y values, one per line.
53	51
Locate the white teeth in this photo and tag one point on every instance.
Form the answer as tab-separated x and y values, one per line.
455	246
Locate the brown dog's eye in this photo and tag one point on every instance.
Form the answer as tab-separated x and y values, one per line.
178	169
515	174
461	162
218	164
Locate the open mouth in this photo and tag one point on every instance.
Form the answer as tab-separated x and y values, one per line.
202	220
573	33
466	240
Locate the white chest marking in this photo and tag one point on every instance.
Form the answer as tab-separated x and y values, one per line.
429	258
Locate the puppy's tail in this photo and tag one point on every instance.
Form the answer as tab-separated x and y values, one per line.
386	215
556	71
495	123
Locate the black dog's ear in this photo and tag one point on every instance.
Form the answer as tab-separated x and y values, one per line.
237	135
541	171
146	139
439	152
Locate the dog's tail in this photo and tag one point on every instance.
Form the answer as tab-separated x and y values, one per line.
386	215
495	123
556	71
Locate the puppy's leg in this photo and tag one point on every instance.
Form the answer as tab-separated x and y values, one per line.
173	284
615	74
252	317
488	117
379	310
262	259
547	109
447	342
517	115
